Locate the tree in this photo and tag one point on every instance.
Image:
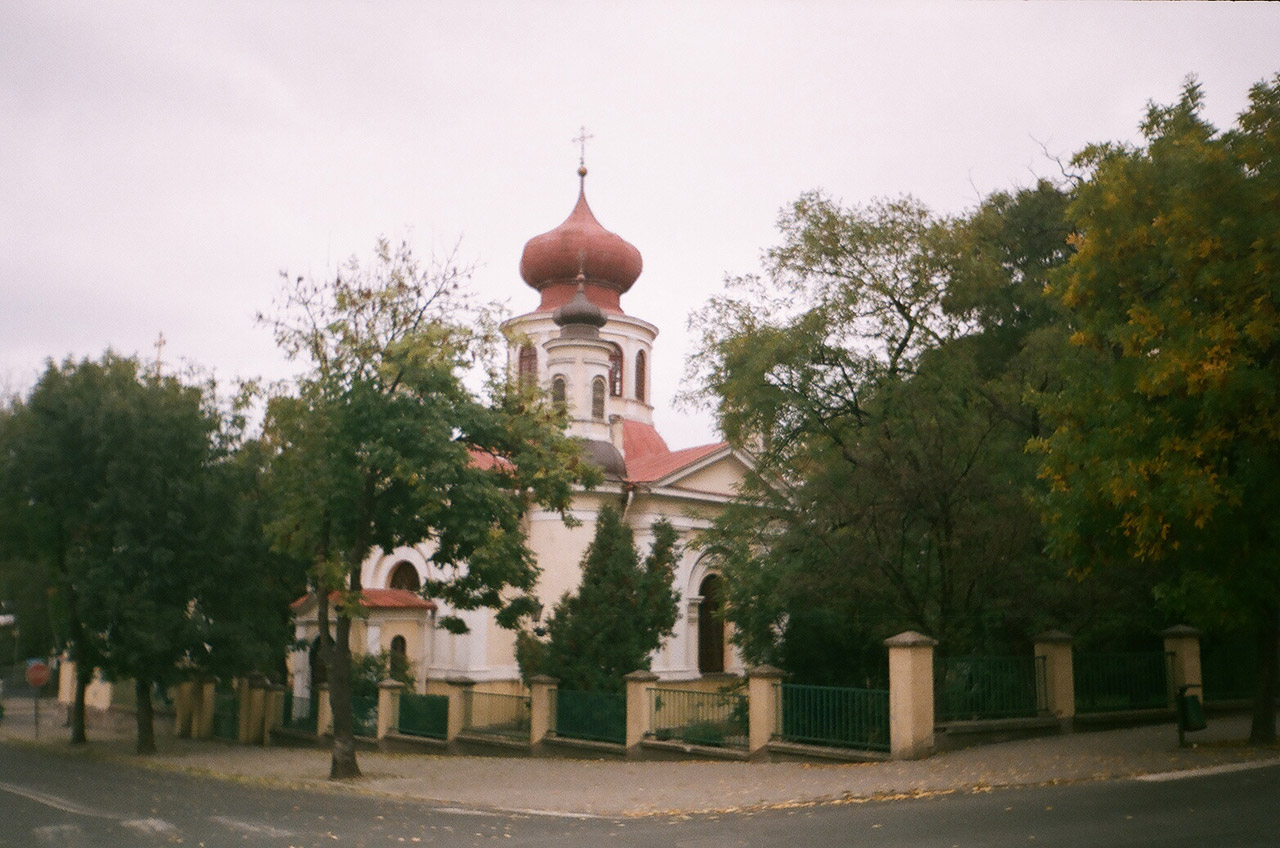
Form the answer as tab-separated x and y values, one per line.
877	374
245	586
620	613
383	444
1165	437
114	465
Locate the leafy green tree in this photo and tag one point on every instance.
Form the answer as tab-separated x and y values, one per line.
27	588
619	614
383	444
245	587
878	373
1164	446
53	479
127	485
111	462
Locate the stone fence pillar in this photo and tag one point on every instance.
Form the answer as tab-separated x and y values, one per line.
253	698
762	708
241	688
459	705
910	695
324	711
637	688
203	720
184	709
542	705
1059	675
273	711
1184	643
388	707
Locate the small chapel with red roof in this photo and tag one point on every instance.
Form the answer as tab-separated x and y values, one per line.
583	349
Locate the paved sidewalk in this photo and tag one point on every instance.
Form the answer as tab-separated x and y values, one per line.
611	788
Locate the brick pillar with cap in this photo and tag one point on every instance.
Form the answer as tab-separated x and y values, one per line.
910	695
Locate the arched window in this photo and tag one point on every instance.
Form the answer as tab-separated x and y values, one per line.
527	369
559	389
405	576
711	626
615	371
640	376
597	398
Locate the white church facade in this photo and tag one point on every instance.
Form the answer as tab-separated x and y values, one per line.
588	354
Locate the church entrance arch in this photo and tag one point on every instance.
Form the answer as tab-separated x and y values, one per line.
399	659
711	625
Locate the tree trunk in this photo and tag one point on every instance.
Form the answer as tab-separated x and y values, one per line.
146	717
1263	728
344	763
81	654
84	674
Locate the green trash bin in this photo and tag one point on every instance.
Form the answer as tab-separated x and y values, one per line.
1190	712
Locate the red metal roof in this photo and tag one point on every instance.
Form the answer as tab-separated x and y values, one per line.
655	467
380	599
641	440
649	458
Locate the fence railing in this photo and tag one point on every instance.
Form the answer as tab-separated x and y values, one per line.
226	715
300	713
972	688
595	716
834	716
496	714
424	715
1122	681
700	718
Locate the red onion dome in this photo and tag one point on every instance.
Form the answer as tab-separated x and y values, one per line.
580	245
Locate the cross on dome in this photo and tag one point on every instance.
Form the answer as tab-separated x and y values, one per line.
582	138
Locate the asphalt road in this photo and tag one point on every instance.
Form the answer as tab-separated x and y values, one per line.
47	799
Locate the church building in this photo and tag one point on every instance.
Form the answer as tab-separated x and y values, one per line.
588	354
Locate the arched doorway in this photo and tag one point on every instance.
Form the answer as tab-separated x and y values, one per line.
711	625
405	576
399	659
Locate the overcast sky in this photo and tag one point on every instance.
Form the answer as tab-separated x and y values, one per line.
160	162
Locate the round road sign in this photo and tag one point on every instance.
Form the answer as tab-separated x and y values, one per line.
37	674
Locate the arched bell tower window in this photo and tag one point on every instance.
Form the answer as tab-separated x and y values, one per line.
405	576
527	368
559	390
597	398
640	375
615	371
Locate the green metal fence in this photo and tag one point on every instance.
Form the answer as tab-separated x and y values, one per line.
701	718
226	715
364	715
972	688
299	713
1122	681
833	715
424	715
496	714
596	716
